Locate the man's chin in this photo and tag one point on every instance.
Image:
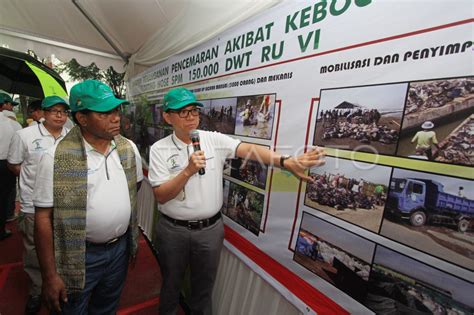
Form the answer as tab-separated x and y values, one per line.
191	127
114	133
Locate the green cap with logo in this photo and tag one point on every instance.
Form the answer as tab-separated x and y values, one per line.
5	98
178	98
53	100
93	95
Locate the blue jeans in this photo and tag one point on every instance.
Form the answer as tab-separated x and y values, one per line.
106	271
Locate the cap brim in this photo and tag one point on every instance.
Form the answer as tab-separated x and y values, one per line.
53	104
109	105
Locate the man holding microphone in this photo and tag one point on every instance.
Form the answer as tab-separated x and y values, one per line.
191	230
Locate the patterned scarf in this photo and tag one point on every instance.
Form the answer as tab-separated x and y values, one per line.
70	203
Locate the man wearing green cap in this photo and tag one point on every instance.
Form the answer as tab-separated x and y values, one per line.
186	170
6	104
86	222
26	149
8	179
35	113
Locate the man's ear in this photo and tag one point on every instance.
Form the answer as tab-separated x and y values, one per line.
167	118
81	118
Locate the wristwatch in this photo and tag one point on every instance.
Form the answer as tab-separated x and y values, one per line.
282	160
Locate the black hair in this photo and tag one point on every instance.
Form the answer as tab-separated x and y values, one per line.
35	105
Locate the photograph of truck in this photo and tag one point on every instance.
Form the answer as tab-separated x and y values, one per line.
432	213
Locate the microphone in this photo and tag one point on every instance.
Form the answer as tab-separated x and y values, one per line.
194	136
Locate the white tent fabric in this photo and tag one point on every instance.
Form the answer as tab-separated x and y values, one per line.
147	30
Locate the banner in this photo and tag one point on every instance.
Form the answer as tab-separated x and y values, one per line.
387	87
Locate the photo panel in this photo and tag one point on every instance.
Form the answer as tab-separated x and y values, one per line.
248	171
245	207
338	256
402	285
255	116
350	190
227	167
222	115
366	118
438	122
431	213
204	120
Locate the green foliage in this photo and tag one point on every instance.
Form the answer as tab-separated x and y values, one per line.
115	80
77	72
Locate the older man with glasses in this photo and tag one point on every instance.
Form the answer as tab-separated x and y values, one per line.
25	151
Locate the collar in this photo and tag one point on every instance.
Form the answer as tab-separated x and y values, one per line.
178	143
9	113
44	132
89	148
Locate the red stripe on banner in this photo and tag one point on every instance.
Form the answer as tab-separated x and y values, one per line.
277	125
313	100
137	307
299	287
268	201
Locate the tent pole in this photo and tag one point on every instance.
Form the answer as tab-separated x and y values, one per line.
124	56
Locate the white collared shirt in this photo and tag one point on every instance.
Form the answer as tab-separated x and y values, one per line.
108	199
202	195
26	148
6	134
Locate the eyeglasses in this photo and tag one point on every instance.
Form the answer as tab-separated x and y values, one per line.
184	113
58	111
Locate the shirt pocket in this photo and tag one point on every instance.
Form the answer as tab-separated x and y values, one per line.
211	162
211	156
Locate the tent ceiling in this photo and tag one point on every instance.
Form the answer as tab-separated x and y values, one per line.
134	27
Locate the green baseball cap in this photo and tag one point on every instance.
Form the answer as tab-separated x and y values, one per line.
93	95
5	98
53	100
178	98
